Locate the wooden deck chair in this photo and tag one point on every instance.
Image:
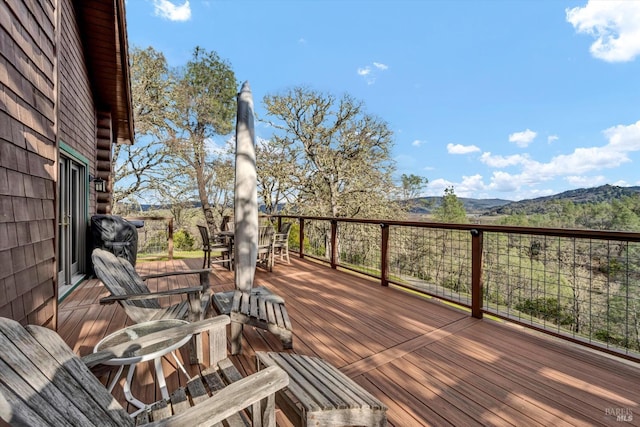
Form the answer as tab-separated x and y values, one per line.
214	245
43	383
266	239
281	242
141	305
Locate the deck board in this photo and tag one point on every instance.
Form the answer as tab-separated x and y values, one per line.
430	363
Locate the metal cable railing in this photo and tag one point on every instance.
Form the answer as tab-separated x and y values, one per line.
581	285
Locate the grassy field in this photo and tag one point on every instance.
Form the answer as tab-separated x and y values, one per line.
165	257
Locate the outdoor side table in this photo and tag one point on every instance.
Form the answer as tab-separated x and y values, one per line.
152	353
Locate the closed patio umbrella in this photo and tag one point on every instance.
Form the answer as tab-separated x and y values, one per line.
245	203
246	194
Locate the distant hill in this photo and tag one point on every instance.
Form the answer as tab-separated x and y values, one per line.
604	193
425	205
540	205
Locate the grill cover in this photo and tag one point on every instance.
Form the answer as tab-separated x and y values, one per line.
116	235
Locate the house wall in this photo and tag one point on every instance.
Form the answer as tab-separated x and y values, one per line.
77	115
29	109
27	161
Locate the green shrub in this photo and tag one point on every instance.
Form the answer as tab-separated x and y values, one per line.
183	240
546	308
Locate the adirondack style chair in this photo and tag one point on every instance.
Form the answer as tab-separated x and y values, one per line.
141	305
43	383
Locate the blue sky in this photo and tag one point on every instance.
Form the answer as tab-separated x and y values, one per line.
500	99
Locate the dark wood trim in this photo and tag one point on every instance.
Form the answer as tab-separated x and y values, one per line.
56	170
333	257
476	274
384	255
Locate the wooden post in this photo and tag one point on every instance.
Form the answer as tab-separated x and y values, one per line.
334	246
384	255
476	273
301	223
171	238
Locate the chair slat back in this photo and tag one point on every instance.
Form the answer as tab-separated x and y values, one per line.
120	278
204	233
265	236
43	383
285	228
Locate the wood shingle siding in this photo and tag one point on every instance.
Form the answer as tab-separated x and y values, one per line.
49	97
27	161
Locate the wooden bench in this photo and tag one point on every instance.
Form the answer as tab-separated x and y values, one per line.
320	395
260	309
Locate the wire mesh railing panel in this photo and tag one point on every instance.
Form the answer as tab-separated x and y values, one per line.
317	239
153	238
588	289
431	260
359	247
583	285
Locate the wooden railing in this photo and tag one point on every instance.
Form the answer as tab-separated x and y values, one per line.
581	285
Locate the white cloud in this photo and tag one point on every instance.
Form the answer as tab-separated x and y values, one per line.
364	71
371	74
502	181
523	139
302	40
623	183
503	161
552	138
213	147
623	139
437	187
418	143
579	168
614	24
586	181
167	10
472	184
461	149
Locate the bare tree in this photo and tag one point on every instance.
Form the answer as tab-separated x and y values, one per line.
136	168
277	167
342	154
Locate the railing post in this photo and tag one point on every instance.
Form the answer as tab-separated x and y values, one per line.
334	239
476	273
170	238
384	255
301	227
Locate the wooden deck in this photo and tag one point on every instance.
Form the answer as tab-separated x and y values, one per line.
430	363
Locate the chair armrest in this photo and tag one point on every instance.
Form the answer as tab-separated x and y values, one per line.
175	273
211	324
129	297
231	399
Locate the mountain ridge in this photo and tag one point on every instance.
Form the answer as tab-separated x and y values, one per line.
603	193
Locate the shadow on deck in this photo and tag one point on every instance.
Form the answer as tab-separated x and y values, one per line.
430	363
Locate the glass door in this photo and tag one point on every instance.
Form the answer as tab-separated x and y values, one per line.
71	223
